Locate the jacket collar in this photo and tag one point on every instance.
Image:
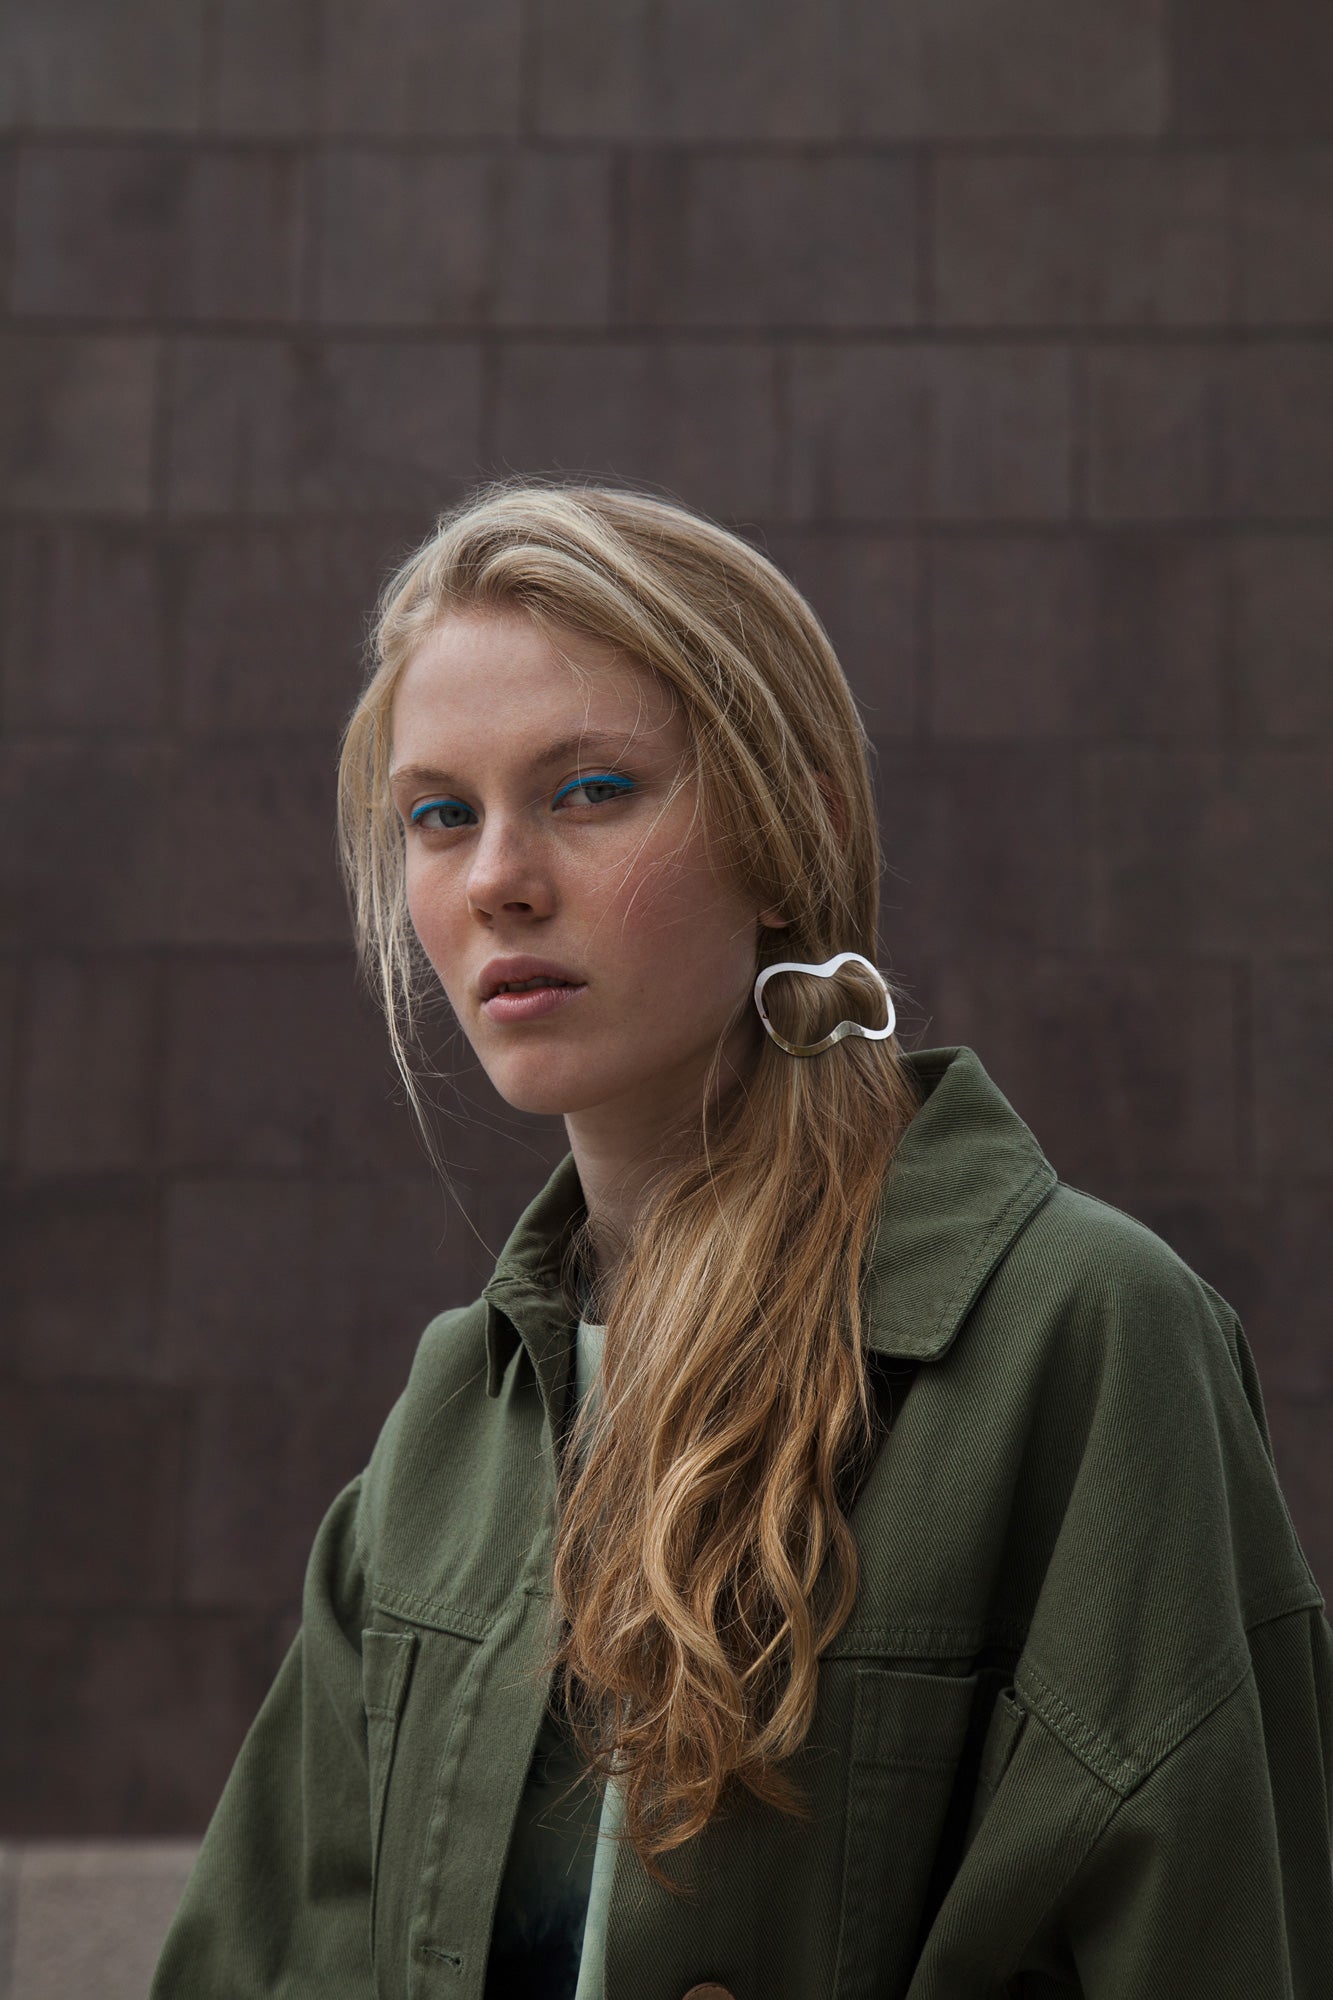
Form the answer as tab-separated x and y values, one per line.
966	1177
524	1297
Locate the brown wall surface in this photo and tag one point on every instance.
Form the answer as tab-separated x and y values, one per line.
1005	329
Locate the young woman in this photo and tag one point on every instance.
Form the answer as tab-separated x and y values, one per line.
833	1557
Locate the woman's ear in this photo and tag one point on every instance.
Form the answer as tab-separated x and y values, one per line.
833	800
773	919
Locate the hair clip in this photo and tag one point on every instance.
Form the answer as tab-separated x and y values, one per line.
844	1028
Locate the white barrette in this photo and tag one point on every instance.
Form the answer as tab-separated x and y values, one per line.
844	1028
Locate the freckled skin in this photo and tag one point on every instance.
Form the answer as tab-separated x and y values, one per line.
620	892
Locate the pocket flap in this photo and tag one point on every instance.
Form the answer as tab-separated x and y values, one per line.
912	1722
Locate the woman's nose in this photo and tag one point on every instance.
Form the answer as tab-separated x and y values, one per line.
508	871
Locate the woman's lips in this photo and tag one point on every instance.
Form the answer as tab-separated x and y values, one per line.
529	1006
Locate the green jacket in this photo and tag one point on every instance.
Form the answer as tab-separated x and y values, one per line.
1077	1737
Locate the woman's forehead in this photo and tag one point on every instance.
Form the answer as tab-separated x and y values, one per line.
501	679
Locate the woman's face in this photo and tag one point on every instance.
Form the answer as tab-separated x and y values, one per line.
548	815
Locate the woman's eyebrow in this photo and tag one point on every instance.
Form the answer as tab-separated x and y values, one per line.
597	741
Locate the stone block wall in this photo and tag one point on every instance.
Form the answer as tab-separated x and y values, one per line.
1005	330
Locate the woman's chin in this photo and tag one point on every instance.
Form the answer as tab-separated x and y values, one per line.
538	1083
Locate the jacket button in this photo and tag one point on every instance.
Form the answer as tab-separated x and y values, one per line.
710	1990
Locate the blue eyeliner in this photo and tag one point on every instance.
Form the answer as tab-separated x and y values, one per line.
600	778
435	805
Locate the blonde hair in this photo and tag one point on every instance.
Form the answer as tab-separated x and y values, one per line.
703	1558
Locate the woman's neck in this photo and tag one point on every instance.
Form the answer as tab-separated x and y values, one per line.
612	1208
620	1148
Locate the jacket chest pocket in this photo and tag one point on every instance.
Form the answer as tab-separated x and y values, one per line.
386	1668
908	1732
415	1682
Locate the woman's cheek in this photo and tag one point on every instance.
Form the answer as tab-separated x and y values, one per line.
430	919
650	890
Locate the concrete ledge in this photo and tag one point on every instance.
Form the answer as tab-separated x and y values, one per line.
86	1918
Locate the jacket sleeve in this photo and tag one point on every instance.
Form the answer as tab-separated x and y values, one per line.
1216	1874
279	1899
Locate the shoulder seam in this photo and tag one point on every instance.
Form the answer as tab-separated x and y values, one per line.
1121	1770
1115	1765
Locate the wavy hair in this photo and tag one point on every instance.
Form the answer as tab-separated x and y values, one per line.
703	1557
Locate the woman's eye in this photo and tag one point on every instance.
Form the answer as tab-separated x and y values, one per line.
599	790
448	815
422	815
